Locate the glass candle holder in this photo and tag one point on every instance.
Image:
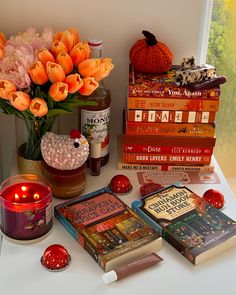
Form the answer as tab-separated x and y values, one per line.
25	207
66	183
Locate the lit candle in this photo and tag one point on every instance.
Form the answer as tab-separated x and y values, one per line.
25	207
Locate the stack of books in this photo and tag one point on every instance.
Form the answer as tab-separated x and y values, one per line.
167	127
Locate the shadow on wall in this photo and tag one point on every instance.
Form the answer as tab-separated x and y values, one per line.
7	145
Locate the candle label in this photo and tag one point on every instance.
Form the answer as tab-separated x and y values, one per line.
35	219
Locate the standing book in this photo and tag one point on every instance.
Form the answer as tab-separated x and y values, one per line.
111	232
191	225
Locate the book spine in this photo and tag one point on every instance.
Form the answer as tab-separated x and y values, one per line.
174	92
169	90
153	167
173	129
208	105
175	150
168	159
170	116
205	142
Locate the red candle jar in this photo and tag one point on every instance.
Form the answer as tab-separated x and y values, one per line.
25	207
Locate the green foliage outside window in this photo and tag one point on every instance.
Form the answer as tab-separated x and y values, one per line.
222	54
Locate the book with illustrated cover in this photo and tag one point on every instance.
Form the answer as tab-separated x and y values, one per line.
190	224
163	85
111	232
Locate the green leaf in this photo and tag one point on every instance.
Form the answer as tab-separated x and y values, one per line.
66	106
38	92
50	102
56	112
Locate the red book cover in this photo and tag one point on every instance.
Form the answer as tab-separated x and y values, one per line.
175	150
166	116
160	140
154	166
163	85
173	104
170	129
166	159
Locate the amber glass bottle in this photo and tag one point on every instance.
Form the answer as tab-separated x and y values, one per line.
94	121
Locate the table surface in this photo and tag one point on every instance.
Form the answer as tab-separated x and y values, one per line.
22	273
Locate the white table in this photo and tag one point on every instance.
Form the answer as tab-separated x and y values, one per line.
21	272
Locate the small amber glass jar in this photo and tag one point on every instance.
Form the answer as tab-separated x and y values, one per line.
66	183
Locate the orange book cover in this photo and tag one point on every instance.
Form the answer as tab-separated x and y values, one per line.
174	104
170	129
166	116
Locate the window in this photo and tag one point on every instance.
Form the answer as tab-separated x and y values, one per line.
222	54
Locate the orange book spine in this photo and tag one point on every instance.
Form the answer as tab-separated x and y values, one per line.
205	105
173	129
141	158
163	116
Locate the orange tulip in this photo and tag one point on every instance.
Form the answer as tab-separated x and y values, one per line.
98	68
57	47
80	52
55	72
65	61
1	54
89	85
58	91
75	34
44	55
58	36
6	88
2	39
104	69
38	107
38	73
74	82
68	39
19	100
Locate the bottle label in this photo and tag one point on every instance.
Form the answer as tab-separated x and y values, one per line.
96	125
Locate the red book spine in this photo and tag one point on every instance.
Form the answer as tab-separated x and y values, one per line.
173	129
160	140
163	116
165	159
147	103
165	167
175	150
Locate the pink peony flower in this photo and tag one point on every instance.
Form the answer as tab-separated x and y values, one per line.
20	52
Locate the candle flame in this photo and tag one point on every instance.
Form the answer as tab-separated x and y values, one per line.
24	196
36	196
24	188
17	198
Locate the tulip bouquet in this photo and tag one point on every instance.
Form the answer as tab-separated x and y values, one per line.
43	75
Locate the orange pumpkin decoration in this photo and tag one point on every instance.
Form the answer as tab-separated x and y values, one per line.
150	56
